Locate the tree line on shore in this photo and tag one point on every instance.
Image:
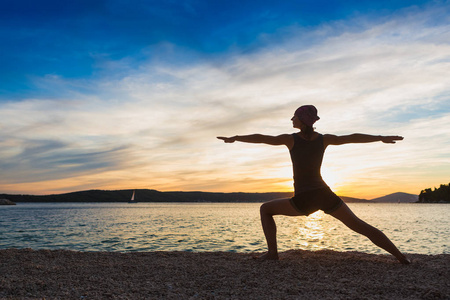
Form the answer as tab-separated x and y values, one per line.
438	195
147	195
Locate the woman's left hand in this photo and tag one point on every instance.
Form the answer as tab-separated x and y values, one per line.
391	139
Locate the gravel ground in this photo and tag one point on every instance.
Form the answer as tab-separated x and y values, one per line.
325	274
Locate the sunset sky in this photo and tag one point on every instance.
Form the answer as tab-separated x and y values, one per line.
131	94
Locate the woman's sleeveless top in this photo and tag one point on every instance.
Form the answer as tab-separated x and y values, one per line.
306	159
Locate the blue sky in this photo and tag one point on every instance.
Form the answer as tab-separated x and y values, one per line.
77	39
130	94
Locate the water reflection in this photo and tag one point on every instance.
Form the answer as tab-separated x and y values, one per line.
214	227
311	232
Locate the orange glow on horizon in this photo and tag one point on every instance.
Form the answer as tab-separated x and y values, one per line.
250	183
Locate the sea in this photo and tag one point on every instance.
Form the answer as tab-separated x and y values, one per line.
226	227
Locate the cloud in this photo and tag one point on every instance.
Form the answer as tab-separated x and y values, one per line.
155	125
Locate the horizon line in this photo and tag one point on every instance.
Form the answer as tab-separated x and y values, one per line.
196	191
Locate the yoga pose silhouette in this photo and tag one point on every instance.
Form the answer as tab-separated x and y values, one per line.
307	148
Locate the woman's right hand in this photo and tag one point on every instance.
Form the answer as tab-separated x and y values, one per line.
227	139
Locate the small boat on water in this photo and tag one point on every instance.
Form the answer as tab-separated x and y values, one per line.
132	200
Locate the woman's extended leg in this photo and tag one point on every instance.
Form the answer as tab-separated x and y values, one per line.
346	216
268	210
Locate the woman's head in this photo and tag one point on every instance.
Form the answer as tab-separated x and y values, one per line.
307	114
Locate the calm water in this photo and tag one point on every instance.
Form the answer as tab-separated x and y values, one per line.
414	228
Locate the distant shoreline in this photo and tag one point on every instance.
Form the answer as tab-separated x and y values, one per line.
148	195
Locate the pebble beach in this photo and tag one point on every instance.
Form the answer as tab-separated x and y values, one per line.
299	274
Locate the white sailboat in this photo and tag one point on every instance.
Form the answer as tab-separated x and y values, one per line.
132	198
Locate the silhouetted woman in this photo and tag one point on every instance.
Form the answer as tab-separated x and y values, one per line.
311	192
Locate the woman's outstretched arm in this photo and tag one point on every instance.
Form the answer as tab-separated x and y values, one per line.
283	139
330	139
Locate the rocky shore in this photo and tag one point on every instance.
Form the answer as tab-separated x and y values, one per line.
6	202
326	274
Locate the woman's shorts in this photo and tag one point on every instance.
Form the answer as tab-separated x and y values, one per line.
311	201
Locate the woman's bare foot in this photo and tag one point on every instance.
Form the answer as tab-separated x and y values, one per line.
268	256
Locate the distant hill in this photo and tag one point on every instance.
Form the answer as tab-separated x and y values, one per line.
353	200
396	198
147	195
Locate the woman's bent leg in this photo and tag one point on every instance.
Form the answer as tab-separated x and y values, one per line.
346	216
267	211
